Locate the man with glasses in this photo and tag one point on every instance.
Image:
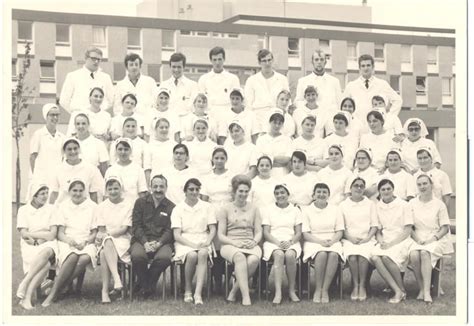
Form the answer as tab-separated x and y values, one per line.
262	89
78	84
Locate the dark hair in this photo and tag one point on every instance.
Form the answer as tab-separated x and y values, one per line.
365	57
133	97
215	51
357	179
378	98
383	182
177	57
40	189
299	155
363	151
418	152
264	157
310	89
76	182
112	181
321	185
393	152
240	179
161	120
350	99
219	150
192	181
262	54
84	116
338	148
71	140
414	124
277	117
101	91
132	57
161	177
341	116
126	144
233	124
377	115
178	146
129	119
311	118
281	187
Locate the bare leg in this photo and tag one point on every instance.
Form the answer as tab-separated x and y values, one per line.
386	275
111	257
105	273
33	285
81	265
202	256
37	265
241	274
426	274
320	268
395	271
331	268
252	265
278	261
63	278
415	260
290	263
363	271
189	270
354	268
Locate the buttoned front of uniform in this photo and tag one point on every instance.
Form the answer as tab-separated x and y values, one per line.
182	94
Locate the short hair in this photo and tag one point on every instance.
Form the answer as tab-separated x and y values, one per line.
341	116
377	115
383	182
350	99
124	143
96	89
240	179
264	157
192	181
204	122
219	150
82	115
235	124
161	177
178	146
262	54
112	181
321	185
128	120
93	49
215	51
338	147
418	177
177	57
393	152
363	150
311	118
201	96
284	91
76	182
366	57
71	140
133	97
310	89
132	57
157	122
320	53
418	152
281	186
357	179
378	98
277	117
299	155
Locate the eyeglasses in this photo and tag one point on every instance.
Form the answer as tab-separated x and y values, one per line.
413	129
95	59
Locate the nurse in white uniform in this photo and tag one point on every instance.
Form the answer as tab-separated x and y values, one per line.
379	141
361	224
404	182
263	185
335	175
200	112
200	148
140	147
242	154
276	145
162	110
77	229
390	255
113	238
74	167
132	176
323	227
282	106
39	248
341	137
194	226
363	168
312	145
281	224
431	235
356	127
129	104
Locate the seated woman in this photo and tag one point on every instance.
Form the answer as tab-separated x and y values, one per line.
38	243
390	255
281	223
131	174
113	238
323	227
194	226
239	231
76	234
430	233
404	183
360	219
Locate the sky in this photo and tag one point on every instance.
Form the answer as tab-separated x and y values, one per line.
423	13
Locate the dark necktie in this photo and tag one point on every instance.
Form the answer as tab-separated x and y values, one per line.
366	83
176	81
92	75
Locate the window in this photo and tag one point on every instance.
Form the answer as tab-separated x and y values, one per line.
379	54
47	70
352	50
446	86
14	68
62	34
25	31
202	33
232	35
134	38
395	83
293	47
202	70
167	39
432	55
119	71
188	33
98	35
324	45
406	53
420	85
262	42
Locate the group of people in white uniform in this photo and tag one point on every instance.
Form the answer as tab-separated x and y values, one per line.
203	171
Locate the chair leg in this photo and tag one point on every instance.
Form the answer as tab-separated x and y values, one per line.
298	268
341	271
309	278
226	278
267	273
131	281
259	280
436	277
174	271
209	280
163	279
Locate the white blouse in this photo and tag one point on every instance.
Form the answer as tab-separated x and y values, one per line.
282	221
359	217
324	223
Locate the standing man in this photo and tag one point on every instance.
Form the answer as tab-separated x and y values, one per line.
262	89
362	89
78	84
218	83
143	87
151	235
183	90
328	87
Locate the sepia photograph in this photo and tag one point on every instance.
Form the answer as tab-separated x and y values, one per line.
182	160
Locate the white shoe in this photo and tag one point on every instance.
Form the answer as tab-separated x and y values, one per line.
46	286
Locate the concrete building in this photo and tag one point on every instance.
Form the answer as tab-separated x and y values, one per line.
417	62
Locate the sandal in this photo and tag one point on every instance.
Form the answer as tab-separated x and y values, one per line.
188	297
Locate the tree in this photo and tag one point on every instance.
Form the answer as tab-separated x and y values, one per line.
20	115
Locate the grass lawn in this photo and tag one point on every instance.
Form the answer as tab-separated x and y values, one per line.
89	303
